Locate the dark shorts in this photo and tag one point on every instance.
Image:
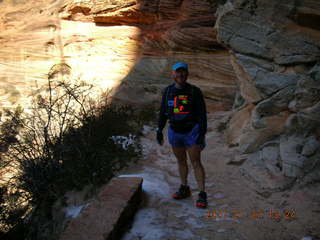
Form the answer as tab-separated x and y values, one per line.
184	139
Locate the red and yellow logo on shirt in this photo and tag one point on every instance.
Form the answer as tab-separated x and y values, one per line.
181	104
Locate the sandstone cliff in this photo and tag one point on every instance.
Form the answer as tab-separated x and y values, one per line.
262	57
275	52
119	45
129	46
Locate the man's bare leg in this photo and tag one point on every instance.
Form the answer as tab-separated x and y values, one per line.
180	153
194	153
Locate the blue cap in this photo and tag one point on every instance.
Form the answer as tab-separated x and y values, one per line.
180	65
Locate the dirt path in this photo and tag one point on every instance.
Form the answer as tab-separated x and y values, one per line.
235	210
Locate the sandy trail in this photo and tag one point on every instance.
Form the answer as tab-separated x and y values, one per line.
235	210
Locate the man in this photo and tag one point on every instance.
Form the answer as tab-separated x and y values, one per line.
183	104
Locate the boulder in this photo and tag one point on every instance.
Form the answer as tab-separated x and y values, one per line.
272	106
292	159
260	178
307	94
238	125
267	30
251	140
270	154
245	82
275	47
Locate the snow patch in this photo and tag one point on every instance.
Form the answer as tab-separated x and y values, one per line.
147	225
142	229
153	184
147	129
152	223
147	146
184	234
218	195
194	223
210	185
124	141
74	211
182	214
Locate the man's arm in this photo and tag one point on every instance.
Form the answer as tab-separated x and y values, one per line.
201	112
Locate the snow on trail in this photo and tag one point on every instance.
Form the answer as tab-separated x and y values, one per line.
162	217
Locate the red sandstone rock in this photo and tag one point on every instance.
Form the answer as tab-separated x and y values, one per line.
103	43
107	213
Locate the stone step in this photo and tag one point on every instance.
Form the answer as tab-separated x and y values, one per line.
106	215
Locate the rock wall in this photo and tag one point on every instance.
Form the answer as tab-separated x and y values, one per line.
129	47
126	46
37	43
275	48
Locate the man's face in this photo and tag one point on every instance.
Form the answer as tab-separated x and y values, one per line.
180	76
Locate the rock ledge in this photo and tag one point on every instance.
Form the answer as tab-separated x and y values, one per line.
108	213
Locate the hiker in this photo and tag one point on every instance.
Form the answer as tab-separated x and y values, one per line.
183	105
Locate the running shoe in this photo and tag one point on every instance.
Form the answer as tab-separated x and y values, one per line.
202	200
183	192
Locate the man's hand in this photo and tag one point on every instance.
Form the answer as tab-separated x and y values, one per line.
160	137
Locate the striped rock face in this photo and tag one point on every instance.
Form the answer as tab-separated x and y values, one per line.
124	46
275	49
128	47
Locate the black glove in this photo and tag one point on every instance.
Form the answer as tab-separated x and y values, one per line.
160	137
200	140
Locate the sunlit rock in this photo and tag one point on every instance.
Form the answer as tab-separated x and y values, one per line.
123	46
